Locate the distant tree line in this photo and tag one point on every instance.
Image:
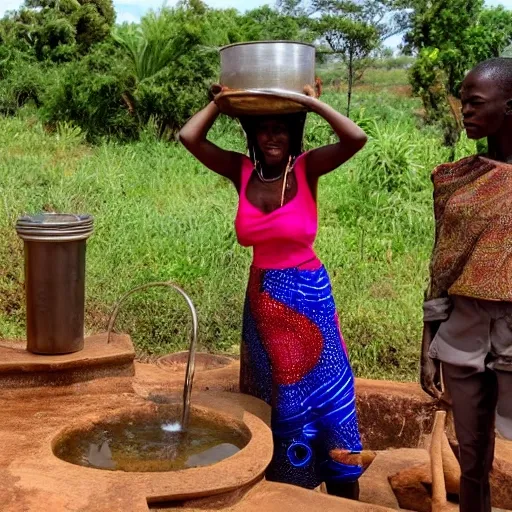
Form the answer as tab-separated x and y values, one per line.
71	61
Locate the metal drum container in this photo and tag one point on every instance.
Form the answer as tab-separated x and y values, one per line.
55	280
264	77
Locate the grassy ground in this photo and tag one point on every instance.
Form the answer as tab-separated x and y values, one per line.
161	216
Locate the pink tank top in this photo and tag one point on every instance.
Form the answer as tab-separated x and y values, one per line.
283	238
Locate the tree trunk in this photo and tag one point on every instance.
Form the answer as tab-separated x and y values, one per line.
129	102
350	82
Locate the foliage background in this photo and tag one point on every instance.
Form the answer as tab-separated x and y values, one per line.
88	114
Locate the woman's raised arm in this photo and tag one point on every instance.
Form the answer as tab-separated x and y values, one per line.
325	159
193	137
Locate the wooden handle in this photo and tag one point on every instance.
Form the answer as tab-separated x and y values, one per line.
436	460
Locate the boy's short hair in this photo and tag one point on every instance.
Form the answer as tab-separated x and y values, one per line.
499	69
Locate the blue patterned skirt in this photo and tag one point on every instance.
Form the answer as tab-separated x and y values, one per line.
293	357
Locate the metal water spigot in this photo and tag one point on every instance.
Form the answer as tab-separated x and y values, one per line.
189	375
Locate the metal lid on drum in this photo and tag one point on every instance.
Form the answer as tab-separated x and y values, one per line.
54	227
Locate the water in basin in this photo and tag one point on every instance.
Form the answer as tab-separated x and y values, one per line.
150	445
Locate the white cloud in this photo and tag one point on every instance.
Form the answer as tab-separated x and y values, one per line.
126	17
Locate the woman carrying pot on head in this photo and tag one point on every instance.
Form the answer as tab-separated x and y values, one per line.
293	355
468	314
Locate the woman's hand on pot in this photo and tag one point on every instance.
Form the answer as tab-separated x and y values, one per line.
214	91
310	91
307	99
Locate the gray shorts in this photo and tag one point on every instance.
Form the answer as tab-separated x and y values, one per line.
477	334
477	337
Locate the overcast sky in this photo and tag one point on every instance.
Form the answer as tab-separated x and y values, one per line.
132	10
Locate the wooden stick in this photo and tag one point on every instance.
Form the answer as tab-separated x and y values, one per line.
439	501
451	468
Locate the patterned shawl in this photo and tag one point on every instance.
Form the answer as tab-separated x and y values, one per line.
473	214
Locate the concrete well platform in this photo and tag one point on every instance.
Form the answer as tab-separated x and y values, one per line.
98	359
395	421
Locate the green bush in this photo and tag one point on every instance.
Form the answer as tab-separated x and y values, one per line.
22	80
59	31
174	94
160	215
89	92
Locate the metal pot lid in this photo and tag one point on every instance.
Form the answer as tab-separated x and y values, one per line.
59	227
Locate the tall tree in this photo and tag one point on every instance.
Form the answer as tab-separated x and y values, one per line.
159	41
482	33
266	23
389	17
445	54
431	27
491	34
352	30
292	7
353	41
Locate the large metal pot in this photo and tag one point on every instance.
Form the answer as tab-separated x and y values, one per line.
268	65
265	77
55	280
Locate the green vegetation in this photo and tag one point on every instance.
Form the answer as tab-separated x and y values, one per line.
89	112
160	215
111	81
70	59
446	55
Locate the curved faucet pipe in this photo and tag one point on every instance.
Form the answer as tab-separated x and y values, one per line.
189	375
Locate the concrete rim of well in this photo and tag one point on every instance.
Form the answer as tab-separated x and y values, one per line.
204	361
239	470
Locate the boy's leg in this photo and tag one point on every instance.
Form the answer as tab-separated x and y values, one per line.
504	408
474	397
501	362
